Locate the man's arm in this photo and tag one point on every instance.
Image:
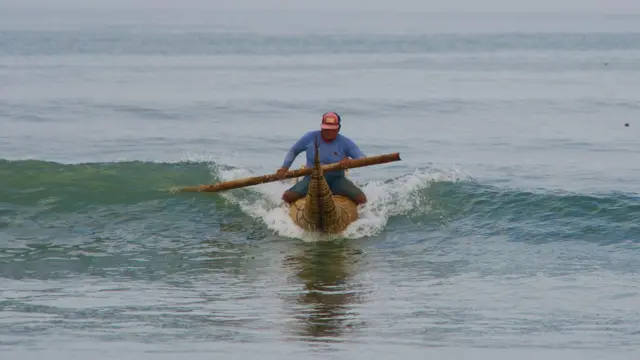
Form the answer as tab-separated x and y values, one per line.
296	149
352	150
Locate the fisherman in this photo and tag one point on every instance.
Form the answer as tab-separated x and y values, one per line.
333	148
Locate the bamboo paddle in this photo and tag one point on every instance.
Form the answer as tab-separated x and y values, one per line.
256	180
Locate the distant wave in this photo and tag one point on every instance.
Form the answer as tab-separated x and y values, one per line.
123	42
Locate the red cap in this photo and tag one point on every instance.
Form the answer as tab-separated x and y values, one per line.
330	121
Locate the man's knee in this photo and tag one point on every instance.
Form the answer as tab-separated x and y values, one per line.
360	199
347	188
290	196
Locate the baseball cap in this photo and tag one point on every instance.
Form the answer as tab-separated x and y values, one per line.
331	121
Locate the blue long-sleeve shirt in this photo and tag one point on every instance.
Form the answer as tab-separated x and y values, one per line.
330	152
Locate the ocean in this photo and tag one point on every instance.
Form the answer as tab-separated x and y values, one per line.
508	229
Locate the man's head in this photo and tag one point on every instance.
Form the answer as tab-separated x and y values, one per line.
330	125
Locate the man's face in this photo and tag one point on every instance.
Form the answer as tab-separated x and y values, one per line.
329	134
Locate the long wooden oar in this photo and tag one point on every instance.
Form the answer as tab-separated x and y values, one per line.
256	180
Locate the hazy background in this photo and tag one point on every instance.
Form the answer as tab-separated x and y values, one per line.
615	6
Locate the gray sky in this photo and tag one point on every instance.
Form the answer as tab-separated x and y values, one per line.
607	6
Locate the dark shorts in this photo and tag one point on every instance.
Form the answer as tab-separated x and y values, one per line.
339	185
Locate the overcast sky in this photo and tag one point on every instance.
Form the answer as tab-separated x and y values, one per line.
605	6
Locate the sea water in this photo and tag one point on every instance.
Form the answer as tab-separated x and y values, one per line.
508	229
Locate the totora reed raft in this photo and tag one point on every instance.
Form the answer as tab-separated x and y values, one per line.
320	210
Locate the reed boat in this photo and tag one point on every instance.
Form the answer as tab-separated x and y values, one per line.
320	210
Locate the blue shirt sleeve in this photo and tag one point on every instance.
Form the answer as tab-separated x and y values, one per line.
352	150
296	149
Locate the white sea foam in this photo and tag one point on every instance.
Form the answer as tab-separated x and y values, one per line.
386	198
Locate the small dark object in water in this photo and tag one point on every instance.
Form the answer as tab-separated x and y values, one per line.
626	124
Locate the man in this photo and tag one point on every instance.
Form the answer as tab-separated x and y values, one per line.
333	147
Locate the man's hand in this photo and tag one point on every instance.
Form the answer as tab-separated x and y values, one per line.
344	163
281	172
